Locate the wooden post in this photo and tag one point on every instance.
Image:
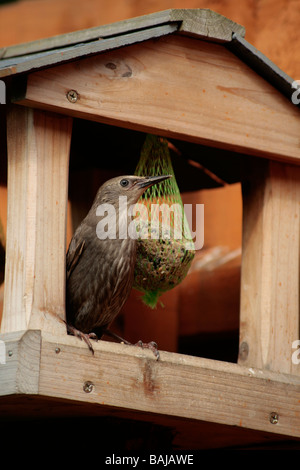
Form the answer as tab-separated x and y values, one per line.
269	317
38	162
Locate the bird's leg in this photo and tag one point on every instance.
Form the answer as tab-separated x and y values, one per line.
85	336
107	332
152	345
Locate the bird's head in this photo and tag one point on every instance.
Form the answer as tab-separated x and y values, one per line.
130	186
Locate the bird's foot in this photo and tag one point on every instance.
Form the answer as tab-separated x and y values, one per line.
83	336
152	345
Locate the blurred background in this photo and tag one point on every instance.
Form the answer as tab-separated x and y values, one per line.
201	315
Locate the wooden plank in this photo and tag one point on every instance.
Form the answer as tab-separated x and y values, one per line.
129	378
68	53
9	363
179	87
196	21
19	372
38	161
206	23
263	66
269	315
87	35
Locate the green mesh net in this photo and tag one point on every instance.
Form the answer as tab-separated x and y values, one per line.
165	249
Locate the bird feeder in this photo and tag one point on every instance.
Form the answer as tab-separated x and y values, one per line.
189	76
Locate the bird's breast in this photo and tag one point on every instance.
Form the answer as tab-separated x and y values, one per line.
101	282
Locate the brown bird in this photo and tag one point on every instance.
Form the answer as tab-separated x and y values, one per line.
100	263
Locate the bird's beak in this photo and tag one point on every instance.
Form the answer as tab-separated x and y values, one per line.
151	180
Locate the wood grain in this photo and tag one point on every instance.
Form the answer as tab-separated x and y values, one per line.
194	22
177	385
179	87
128	378
20	372
269	315
270	27
38	159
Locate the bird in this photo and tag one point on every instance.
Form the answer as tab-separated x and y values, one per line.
100	263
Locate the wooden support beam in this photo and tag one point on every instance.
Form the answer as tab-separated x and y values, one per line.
38	162
179	87
269	316
129	378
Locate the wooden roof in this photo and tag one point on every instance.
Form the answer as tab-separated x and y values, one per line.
256	120
202	23
67	47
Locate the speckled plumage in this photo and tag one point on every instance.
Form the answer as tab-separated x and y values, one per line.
100	283
100	272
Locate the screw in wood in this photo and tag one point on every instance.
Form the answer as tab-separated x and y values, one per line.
274	417
88	387
72	96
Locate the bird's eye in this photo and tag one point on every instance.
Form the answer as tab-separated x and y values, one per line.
124	183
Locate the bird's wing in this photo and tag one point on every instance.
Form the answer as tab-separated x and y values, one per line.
74	252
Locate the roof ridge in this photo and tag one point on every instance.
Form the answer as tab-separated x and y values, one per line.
196	22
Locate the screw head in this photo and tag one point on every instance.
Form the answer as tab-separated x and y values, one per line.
10	353
274	417
72	96
57	350
88	387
